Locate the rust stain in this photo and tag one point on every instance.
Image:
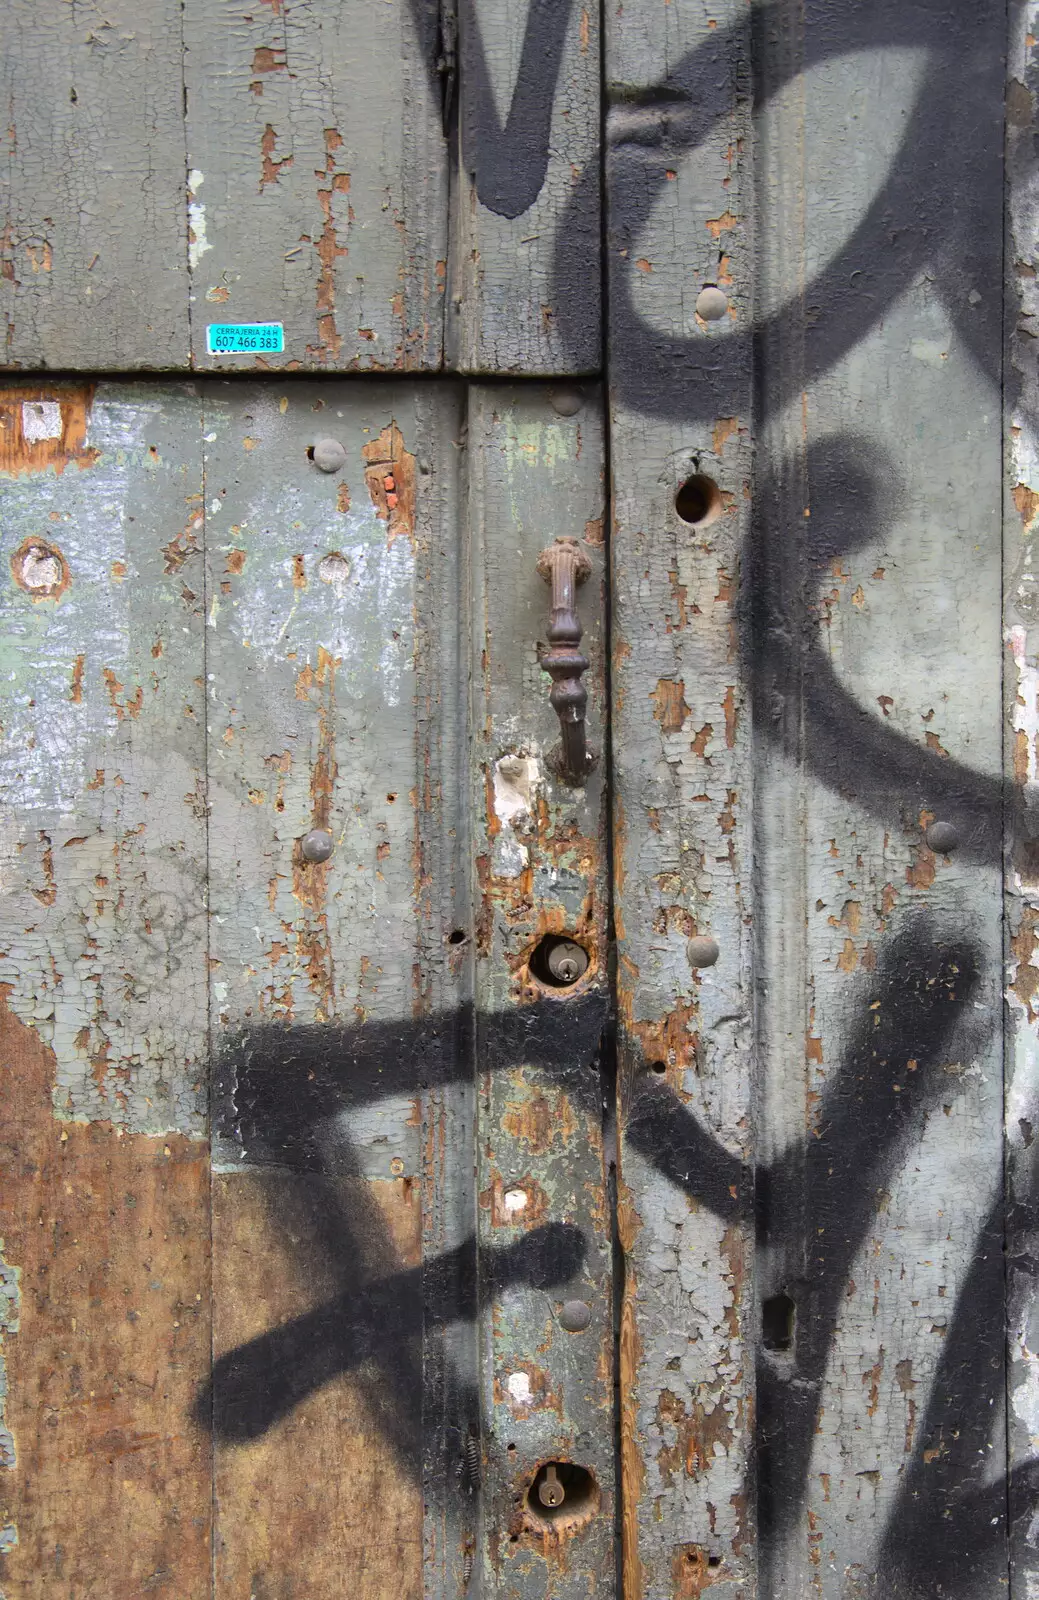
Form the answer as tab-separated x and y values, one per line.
40	569
1023	945
584	30
633	1470
310	878
343	496
696	1434
235	562
722	431
126	708
907	1383
701	740
111	1234
523	1403
328	251
27	442
871	1378
538	1121
299	572
1027	502
184	546
732	715
506	1213
669	707
270	170
934	743
390	476
76	691
716	226
693	1569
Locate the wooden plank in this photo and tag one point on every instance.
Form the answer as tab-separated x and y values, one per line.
105	1169
542	1052
333	652
677	222
525	256
318	180
93	244
875	569
1021	866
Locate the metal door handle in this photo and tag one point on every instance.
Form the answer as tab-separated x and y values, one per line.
564	565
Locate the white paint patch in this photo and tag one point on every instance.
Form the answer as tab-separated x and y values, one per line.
515	1200
518	1385
516	782
334	569
198	244
41	419
510	857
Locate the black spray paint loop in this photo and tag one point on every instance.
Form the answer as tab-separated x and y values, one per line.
695	378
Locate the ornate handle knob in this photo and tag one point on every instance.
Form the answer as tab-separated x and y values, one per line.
564	565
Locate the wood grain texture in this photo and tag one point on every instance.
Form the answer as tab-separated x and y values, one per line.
682	797
93	241
540	870
105	1336
876	580
105	1164
321	1494
336	703
525	257
318	180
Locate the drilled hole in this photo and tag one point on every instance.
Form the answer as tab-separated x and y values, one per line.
699	500
456	936
558	962
714	1561
310	452
562	1491
777	1323
658	1066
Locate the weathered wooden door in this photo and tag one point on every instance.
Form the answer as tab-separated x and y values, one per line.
435	1164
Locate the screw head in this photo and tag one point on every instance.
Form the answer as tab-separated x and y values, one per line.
702	950
316	845
712	303
566	402
567	961
328	455
575	1315
941	837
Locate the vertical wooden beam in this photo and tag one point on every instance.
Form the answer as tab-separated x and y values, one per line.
874	573
678	217
337	880
539	844
525	256
317	181
1021	765
104	1326
93	231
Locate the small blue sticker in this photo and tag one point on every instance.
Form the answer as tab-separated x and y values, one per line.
242	338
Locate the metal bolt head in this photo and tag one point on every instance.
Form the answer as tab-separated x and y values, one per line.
316	845
702	950
575	1315
566	402
712	303
941	837
328	455
567	961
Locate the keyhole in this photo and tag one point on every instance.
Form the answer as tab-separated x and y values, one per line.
559	962
550	1490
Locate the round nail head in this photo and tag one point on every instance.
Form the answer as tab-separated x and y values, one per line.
328	455
317	845
702	950
567	402
575	1315
712	303
942	837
